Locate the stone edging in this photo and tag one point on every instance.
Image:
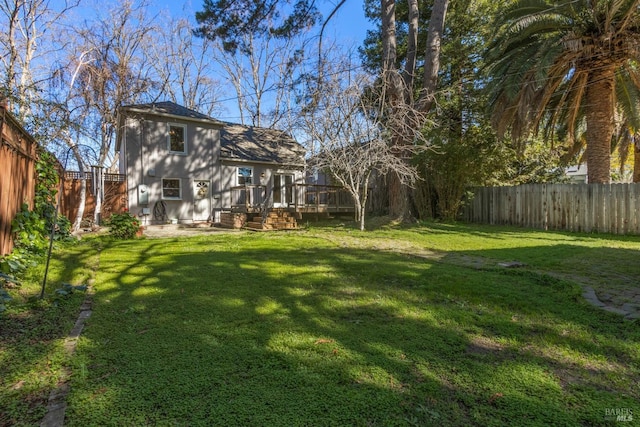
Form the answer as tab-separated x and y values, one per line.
57	403
590	295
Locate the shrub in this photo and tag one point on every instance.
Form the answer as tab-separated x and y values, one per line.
123	226
32	227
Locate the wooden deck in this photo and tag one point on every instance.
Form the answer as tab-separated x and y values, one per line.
300	198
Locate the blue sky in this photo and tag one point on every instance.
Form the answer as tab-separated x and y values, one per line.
347	29
348	26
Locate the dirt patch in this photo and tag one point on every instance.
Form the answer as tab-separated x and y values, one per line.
483	345
177	230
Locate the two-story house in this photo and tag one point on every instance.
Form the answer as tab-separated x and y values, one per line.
183	166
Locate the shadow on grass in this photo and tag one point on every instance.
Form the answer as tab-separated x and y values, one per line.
31	333
499	232
288	330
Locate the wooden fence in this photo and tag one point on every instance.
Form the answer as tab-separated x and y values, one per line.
18	153
115	195
602	208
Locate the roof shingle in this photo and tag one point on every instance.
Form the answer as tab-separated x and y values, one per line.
169	108
238	142
260	145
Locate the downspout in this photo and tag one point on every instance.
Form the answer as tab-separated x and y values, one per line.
211	174
142	135
142	170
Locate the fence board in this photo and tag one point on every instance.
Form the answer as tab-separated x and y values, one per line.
602	208
634	207
17	174
115	197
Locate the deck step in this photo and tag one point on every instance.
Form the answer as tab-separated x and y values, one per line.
258	225
273	220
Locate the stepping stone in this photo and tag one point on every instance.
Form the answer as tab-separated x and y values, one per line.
631	307
512	264
614	310
590	295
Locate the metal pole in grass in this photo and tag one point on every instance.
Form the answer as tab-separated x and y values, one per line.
55	216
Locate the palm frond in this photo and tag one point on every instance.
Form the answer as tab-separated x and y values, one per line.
544	55
628	96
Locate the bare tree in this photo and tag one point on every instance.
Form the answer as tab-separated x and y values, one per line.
34	42
116	72
26	29
65	116
349	142
262	71
184	67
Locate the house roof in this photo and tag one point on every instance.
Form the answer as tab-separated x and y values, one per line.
254	144
170	109
238	142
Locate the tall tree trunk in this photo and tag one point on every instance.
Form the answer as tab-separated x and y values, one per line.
432	55
394	92
399	90
409	72
599	111
636	158
82	197
395	96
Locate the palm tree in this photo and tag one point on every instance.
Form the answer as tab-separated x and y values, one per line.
561	62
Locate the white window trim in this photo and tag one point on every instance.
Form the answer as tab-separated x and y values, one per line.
184	128
238	174
179	189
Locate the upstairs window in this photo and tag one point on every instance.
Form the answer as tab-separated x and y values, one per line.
245	176
177	138
171	189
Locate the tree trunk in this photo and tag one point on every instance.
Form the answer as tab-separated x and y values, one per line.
83	190
412	50
397	88
393	82
389	49
364	195
356	214
432	55
636	158
599	112
399	207
398	204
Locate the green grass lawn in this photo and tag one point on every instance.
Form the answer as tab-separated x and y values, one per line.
32	331
330	326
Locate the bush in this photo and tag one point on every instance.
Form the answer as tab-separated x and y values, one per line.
123	226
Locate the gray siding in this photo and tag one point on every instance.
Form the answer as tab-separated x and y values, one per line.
148	160
145	158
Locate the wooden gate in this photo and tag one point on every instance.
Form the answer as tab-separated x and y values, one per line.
115	195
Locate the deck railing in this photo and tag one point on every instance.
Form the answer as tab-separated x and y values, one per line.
324	198
248	197
306	198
